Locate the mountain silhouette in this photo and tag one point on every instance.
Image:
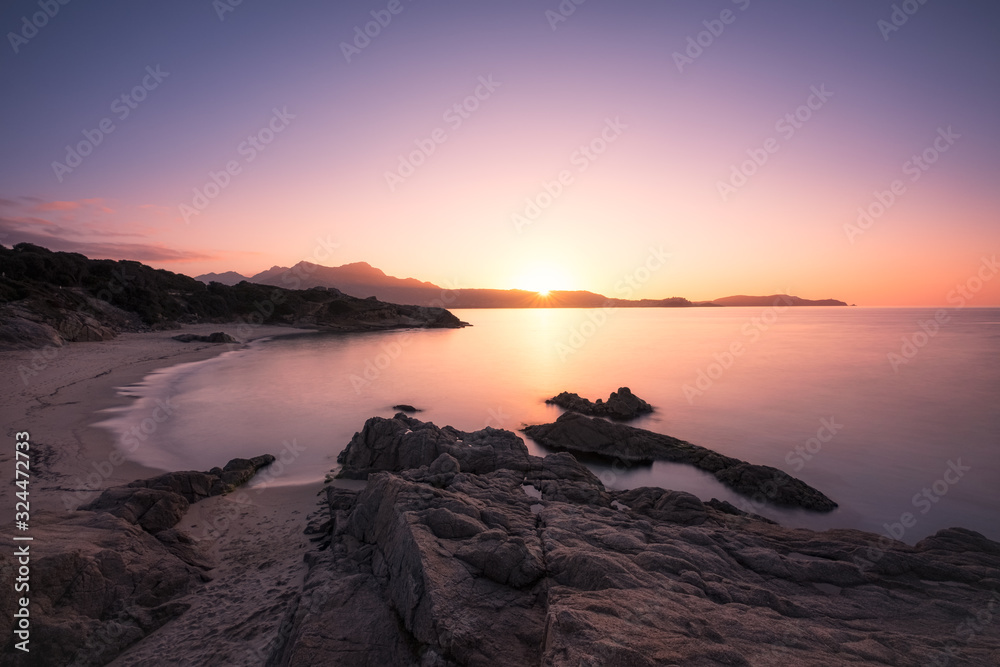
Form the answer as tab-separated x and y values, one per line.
361	279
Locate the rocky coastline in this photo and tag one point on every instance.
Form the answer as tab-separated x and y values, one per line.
117	569
456	534
48	299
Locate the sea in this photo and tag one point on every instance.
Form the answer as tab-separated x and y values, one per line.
894	413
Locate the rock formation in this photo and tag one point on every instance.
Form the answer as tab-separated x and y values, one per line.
113	572
217	337
622	404
583	435
439	564
464	549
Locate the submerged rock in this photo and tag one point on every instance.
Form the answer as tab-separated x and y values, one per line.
584	435
405	407
440	565
622	404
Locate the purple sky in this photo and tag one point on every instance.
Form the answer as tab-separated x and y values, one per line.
511	145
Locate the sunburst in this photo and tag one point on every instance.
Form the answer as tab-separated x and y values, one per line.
543	280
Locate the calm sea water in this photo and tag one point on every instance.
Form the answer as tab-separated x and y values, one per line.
812	391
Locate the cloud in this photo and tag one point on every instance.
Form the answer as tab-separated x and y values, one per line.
92	206
14	231
58	206
87	226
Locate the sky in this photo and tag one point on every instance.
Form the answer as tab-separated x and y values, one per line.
845	149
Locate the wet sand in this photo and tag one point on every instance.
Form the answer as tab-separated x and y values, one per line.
254	536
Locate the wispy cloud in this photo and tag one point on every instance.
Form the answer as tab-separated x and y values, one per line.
48	235
58	206
87	226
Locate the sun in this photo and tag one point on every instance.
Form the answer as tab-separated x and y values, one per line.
543	279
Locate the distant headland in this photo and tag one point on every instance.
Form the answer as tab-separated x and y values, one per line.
363	280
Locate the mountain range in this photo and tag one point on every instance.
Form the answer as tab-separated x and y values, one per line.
363	280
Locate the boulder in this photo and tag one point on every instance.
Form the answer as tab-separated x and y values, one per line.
404	443
217	337
152	509
621	405
159	502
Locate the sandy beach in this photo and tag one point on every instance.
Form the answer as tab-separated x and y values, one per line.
56	394
250	536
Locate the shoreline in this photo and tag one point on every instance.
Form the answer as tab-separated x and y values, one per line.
58	395
253	538
276	576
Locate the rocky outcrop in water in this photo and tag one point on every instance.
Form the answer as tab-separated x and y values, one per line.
622	405
113	572
597	437
434	564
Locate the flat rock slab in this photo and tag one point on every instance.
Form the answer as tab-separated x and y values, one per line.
585	435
